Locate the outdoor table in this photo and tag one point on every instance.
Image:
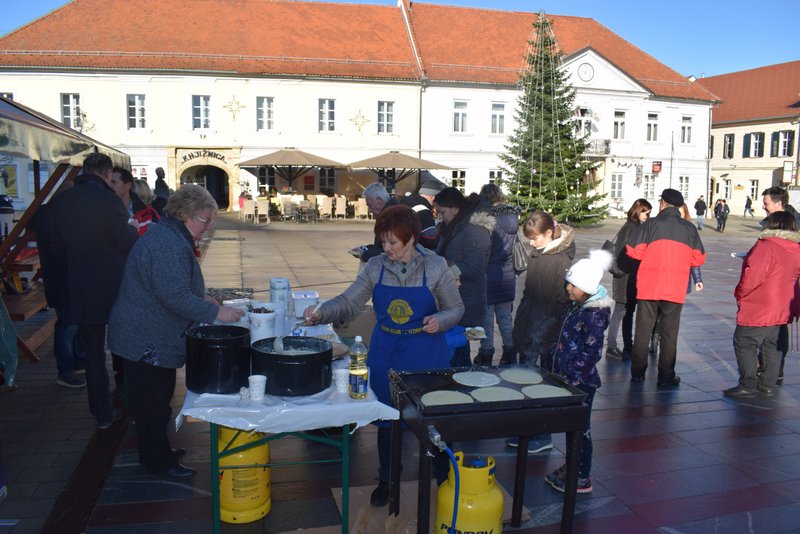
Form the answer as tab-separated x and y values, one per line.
284	416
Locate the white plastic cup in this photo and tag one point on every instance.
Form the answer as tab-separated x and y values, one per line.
258	385
341	378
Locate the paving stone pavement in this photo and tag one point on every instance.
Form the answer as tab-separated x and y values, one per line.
685	460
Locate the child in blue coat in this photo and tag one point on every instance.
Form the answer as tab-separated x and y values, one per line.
580	346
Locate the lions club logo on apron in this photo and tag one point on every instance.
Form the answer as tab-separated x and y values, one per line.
400	311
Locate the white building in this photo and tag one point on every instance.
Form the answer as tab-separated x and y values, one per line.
755	133
346	82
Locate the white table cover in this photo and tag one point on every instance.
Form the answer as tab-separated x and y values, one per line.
285	414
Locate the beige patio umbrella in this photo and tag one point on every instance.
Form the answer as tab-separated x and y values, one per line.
290	163
401	165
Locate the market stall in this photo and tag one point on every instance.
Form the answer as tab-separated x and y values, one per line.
28	134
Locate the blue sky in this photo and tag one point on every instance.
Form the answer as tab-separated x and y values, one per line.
698	37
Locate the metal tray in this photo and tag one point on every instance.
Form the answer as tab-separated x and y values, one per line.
415	384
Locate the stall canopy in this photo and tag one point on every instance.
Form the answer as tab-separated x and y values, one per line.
290	163
400	165
27	133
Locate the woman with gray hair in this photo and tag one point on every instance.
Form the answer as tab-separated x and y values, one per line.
162	293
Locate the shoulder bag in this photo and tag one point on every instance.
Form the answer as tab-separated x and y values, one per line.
519	256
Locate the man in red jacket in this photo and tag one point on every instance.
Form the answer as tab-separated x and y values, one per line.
667	246
767	297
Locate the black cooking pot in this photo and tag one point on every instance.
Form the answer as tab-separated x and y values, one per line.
217	358
294	374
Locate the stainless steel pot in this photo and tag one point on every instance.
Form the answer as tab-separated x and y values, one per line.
294	374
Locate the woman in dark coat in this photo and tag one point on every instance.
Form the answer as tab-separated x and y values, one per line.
544	301
623	287
465	240
500	277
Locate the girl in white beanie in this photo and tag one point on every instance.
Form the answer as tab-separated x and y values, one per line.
580	346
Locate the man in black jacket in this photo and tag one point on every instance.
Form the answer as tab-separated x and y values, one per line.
700	209
422	204
93	225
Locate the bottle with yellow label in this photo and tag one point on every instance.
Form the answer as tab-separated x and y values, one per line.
359	373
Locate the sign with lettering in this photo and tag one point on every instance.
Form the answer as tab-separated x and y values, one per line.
656	166
203	153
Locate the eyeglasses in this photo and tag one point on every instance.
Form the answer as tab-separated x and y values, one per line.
200	219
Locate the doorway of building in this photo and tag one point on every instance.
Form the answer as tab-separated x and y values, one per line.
214	179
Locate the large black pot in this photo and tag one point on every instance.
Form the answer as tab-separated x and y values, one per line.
217	358
291	375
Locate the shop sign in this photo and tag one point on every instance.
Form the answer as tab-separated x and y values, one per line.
203	154
656	167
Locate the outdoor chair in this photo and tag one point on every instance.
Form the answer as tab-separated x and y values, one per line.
341	208
249	210
263	209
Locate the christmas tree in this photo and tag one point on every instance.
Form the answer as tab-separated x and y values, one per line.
545	165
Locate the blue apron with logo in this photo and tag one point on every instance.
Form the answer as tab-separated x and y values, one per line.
398	341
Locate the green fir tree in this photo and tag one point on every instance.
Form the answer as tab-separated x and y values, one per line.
545	167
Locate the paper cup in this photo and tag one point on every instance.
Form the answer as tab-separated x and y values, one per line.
258	385
341	378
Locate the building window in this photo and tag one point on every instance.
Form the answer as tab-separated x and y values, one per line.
327	181
71	110
583	122
726	189
686	130
7	96
201	112
727	146
495	176
616	185
327	115
265	113
683	186
652	126
619	125
498	118
459	180
755	191
136	115
459	116
266	179
753	145
649	186
782	144
308	183
385	117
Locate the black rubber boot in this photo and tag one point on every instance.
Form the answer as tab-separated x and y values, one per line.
509	357
484	357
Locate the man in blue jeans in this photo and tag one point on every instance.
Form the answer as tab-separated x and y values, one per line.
52	256
93	224
700	208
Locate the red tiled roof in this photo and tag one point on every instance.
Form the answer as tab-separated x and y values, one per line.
235	36
272	37
771	92
484	45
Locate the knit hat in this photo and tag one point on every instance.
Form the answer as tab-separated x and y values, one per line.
673	197
586	274
431	187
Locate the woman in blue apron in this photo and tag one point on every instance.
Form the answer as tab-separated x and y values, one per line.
415	298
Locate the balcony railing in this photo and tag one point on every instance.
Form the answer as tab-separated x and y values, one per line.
598	147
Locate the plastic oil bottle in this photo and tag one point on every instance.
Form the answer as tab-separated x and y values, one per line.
359	373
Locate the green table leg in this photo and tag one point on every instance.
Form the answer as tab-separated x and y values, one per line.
345	479
217	527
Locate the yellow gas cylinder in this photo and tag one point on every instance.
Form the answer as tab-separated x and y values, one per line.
480	501
244	494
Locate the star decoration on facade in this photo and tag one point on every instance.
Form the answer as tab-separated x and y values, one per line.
234	106
359	120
